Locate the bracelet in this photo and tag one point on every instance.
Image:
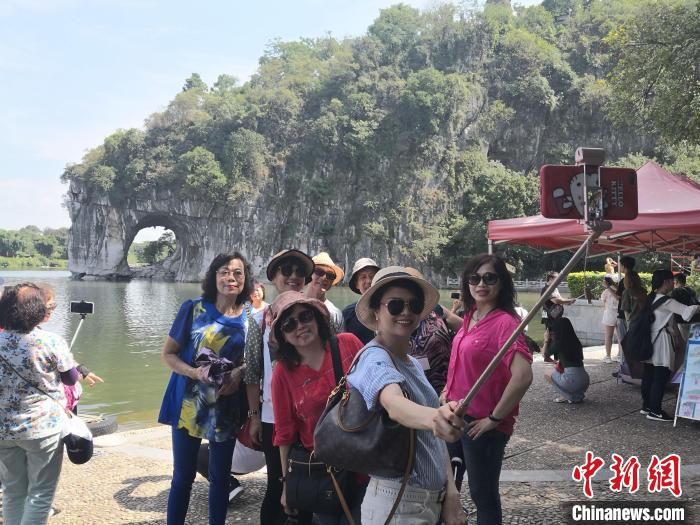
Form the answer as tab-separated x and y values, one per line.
253	412
283	479
495	419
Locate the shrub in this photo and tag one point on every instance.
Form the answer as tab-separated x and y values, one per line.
594	280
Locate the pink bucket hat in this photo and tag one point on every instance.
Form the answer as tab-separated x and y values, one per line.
287	300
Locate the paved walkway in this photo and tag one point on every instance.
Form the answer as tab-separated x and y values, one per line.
127	481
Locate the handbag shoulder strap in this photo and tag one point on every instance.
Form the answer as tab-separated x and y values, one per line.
31	384
337	363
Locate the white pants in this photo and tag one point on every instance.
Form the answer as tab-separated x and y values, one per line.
418	506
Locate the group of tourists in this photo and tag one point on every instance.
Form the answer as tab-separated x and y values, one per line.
269	373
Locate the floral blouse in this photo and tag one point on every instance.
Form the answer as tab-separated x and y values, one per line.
39	357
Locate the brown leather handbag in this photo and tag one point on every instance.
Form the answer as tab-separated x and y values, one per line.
349	436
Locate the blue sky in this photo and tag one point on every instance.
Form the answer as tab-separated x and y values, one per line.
73	71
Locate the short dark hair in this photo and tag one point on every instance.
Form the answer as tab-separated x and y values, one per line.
506	296
550	275
257	283
22	307
286	352
209	283
680	277
628	262
406	284
659	277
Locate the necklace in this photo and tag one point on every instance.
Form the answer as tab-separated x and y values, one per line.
478	317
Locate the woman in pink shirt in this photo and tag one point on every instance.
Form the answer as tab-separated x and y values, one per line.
489	319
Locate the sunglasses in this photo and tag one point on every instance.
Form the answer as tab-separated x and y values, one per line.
291	324
320	272
396	306
51	307
288	269
488	278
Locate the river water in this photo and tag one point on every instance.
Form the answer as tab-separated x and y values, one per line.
122	341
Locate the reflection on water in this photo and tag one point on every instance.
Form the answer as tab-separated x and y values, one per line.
121	342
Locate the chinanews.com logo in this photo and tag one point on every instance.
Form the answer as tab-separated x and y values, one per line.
662	474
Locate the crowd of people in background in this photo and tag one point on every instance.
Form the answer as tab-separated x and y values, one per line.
241	365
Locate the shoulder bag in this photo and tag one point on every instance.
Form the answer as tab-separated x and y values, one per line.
313	486
350	436
75	433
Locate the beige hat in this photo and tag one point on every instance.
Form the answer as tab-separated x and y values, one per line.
360	264
287	300
284	254
381	279
323	259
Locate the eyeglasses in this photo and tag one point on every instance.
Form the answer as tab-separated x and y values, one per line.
291	324
288	269
225	273
51	307
396	306
488	278
320	272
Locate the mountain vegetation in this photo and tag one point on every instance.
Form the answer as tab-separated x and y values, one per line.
427	126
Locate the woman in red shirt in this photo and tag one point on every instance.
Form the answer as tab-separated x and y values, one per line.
303	379
489	320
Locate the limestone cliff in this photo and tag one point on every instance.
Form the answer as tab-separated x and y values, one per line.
102	232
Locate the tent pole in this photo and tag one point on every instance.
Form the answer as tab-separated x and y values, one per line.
490	247
598	229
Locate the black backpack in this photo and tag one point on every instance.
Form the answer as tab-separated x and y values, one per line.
637	343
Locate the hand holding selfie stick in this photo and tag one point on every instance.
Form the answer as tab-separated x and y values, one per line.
597	229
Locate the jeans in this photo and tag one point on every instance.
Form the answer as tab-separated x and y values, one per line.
185	451
654	379
29	471
418	506
271	511
483	458
572	384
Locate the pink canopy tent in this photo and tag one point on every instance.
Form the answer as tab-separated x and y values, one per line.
668	221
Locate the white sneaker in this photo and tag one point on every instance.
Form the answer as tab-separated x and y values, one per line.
607	360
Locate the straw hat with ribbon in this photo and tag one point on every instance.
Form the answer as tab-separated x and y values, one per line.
389	275
323	259
287	300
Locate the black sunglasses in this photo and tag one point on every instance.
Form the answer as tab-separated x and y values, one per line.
396	306
288	269
489	278
291	324
323	273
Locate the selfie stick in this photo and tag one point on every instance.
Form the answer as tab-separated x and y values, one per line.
75	335
598	228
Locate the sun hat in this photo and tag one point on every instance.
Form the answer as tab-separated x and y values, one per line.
289	254
386	276
323	259
360	264
287	300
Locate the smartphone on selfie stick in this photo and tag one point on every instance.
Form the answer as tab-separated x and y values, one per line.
83	308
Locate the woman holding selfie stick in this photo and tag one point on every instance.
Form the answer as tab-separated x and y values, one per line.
489	320
203	402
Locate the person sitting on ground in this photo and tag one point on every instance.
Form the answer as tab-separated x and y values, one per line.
657	369
363	272
570	378
326	274
610	304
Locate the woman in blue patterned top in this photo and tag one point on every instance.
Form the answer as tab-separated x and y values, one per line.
204	349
